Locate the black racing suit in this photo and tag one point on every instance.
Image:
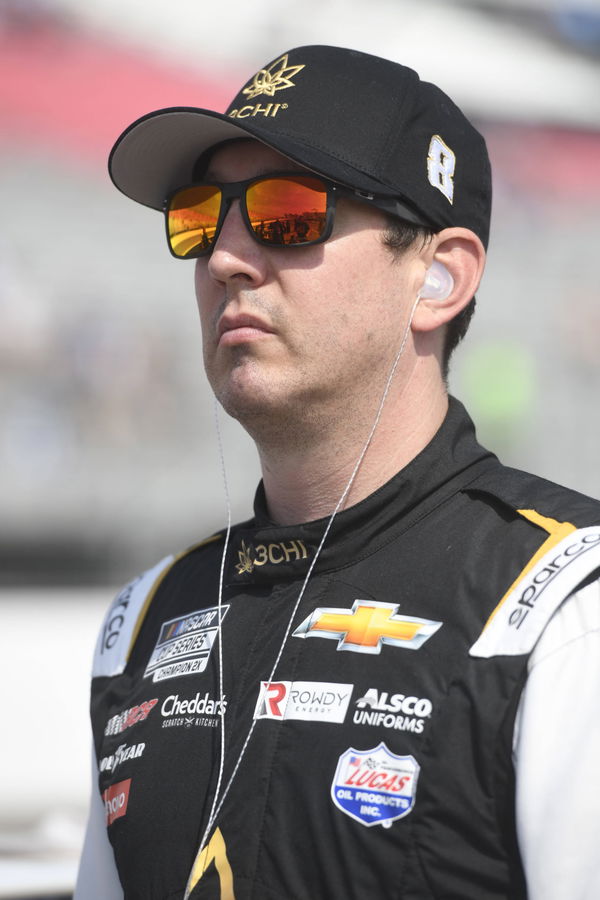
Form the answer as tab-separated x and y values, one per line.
380	761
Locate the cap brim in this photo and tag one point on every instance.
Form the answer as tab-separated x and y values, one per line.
156	154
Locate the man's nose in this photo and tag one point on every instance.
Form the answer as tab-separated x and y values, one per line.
235	252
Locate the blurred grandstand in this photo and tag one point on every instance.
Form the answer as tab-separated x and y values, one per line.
107	455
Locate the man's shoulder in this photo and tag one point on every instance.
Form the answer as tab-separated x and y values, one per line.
567	557
127	611
524	492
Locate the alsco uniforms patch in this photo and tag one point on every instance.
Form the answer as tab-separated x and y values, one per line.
376	786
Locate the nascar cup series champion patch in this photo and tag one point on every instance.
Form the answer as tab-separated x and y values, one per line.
376	786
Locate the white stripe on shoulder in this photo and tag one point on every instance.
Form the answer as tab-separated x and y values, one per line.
575	619
517	623
112	646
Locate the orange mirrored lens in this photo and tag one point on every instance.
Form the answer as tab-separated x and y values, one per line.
290	210
192	219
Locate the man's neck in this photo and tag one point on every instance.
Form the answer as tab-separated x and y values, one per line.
304	481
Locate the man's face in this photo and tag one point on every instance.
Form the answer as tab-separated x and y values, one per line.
300	333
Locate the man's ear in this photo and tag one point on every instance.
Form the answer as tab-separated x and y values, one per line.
462	254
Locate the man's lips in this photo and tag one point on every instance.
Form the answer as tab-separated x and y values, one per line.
241	328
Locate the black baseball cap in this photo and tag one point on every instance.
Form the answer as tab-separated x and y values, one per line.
359	120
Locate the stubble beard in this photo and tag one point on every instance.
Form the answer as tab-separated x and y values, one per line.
275	416
288	418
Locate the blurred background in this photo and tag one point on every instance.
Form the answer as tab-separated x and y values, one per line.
108	458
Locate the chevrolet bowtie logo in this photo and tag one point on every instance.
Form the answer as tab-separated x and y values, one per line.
367	626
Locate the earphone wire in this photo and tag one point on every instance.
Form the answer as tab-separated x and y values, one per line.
213	814
218	802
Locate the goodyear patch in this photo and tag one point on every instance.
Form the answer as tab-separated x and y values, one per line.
375	787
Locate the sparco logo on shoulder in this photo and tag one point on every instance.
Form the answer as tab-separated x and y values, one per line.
540	579
116	617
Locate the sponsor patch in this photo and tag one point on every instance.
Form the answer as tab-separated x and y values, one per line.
200	710
520	618
121	755
119	723
314	701
398	711
116	799
367	627
184	644
376	786
250	557
120	622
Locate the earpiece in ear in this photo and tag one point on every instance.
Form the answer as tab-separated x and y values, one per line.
438	282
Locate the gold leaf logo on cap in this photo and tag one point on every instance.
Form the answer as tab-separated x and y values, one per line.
276	78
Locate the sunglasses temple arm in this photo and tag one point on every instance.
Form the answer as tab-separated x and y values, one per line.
390	205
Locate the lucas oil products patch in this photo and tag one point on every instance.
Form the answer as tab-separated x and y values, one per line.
375	786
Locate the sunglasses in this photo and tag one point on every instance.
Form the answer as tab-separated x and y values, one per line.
279	209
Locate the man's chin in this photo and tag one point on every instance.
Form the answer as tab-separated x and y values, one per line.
248	407
266	416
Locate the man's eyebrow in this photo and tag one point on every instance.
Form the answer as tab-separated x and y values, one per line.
291	169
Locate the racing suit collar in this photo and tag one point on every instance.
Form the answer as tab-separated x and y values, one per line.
262	552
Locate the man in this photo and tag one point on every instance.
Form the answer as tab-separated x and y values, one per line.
382	685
